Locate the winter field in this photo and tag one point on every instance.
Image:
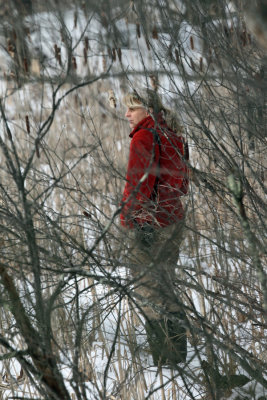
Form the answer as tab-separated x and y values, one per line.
70	324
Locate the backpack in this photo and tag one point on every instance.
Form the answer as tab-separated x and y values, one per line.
182	159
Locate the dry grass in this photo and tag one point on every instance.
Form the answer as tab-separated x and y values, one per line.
215	282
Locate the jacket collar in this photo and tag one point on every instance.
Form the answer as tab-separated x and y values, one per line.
147	122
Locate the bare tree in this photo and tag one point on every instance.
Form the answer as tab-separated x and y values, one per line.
71	322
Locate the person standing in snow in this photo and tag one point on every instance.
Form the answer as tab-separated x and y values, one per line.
152	213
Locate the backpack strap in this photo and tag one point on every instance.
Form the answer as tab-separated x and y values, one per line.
186	149
158	142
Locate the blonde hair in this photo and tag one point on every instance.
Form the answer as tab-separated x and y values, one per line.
132	100
146	98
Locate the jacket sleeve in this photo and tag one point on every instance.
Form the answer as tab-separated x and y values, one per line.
140	177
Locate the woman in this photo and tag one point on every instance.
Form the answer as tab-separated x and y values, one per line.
152	213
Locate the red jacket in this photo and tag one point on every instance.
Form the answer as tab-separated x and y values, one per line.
156	176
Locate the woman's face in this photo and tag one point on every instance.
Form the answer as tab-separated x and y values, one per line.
135	115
